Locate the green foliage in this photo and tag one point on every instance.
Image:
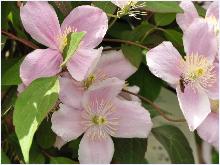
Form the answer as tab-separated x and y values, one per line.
175	143
149	84
4	158
164	19
31	107
107	6
163	7
130	151
73	41
61	160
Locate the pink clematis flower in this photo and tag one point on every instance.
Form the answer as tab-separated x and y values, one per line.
102	115
209	129
195	76
190	14
111	64
40	21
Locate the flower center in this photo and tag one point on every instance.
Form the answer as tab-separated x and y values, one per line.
213	22
99	120
89	81
198	70
62	38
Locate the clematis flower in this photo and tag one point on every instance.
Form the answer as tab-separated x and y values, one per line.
190	14
40	21
103	115
195	76
111	64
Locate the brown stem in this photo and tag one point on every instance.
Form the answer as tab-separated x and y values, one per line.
156	107
22	40
125	42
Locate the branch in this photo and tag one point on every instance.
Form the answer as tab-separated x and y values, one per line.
156	107
125	42
22	40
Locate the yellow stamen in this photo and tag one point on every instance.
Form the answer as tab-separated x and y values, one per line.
99	120
89	81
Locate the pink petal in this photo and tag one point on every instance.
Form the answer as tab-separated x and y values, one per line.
82	61
114	64
200	39
213	91
194	104
134	120
97	151
104	91
71	92
129	97
190	13
40	21
213	10
164	62
40	63
66	123
59	142
209	129
89	19
121	3
21	88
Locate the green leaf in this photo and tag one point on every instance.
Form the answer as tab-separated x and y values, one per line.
130	151
149	84
164	19
31	107
45	140
10	71
36	156
73	41
107	6
61	160
175	143
201	11
174	36
4	158
163	7
133	54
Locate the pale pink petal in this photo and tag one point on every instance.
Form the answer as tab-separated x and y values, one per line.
66	123
82	61
135	89
71	92
40	63
121	3
21	88
89	19
104	91
164	62
200	39
134	120
114	64
59	142
194	104
213	10
209	129
213	91
185	19
40	21
96	151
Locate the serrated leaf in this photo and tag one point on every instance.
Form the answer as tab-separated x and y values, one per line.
31	107
4	158
133	54
164	19
10	71
149	84
175	143
73	41
130	151
163	7
61	160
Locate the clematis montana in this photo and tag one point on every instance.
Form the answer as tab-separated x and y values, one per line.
103	115
195	76
40	21
190	14
110	64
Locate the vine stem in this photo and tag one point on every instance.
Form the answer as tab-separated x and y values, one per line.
125	41
156	107
112	15
22	40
